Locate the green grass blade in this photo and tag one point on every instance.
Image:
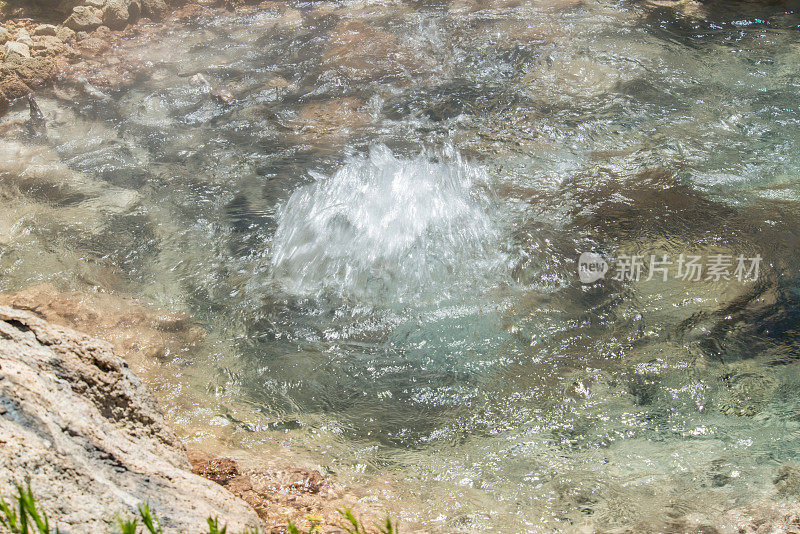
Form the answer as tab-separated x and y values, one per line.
213	526
28	502
127	526
9	517
149	521
23	515
292	528
388	527
348	515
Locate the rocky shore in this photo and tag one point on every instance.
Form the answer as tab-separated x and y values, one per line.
44	41
76	419
78	424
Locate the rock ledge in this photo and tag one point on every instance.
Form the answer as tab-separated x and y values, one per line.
83	428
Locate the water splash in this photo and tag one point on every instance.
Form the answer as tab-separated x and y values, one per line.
388	229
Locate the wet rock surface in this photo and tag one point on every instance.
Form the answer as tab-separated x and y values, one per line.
141	335
84	18
28	59
279	492
83	30
144	338
79	424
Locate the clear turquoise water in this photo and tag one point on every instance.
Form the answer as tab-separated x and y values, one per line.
380	233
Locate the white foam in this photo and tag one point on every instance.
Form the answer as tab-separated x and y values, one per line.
386	228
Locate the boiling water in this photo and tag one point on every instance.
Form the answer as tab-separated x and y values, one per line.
380	234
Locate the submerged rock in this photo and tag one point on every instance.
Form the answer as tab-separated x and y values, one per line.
115	14
36	124
77	422
45	29
24	37
154	9
83	18
223	96
279	492
138	334
15	48
363	53
330	121
787	482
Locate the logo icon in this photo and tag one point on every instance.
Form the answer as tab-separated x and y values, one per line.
591	267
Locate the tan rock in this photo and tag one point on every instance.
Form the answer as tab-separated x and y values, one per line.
50	46
154	9
12	87
331	118
33	72
223	96
16	48
115	14
690	8
45	29
83	18
277	82
361	53
23	37
65	34
81	426
291	18
93	46
102	32
5	35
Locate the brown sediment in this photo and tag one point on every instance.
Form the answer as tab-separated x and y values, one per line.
139	334
279	493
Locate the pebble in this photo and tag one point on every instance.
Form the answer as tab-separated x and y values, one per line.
91	90
64	34
224	96
45	29
16	48
5	35
83	18
200	81
24	37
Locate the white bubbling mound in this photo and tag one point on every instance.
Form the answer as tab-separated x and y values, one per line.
383	228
